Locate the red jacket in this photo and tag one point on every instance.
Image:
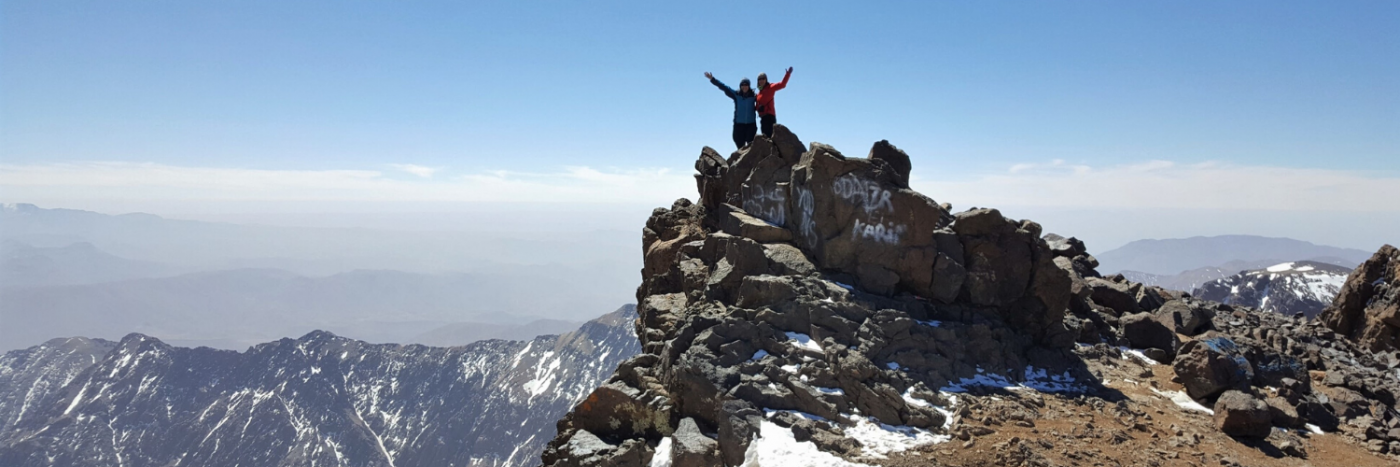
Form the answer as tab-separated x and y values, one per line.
764	105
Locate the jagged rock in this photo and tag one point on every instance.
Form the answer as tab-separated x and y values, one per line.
1240	414
585	449
787	260
1283	413
1145	331
1208	367
880	291
1347	403
1117	296
736	222
738	424
1185	317
1318	413
895	158
620	411
691	448
1368	308
709	180
852	215
1272	368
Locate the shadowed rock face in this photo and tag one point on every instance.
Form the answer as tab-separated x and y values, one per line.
1368	307
812	282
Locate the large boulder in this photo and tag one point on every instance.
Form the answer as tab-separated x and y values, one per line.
854	217
1145	331
1185	317
691	448
1240	414
1368	307
1116	295
1211	366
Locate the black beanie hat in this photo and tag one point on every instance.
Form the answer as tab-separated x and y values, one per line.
744	82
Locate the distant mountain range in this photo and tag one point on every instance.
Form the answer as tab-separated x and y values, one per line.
237	308
22	265
1188	263
317	400
69	272
1295	287
1173	256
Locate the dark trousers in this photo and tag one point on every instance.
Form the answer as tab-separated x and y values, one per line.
768	121
743	134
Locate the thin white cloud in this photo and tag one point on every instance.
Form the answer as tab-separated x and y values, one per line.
1165	184
1144	185
421	171
123	180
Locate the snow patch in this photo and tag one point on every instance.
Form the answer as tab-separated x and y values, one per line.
775	446
1317	430
1280	267
830	391
1184	401
1140	356
804	341
759	355
878	439
662	457
1035	379
930	323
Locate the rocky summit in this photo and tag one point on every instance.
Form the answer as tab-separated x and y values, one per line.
812	309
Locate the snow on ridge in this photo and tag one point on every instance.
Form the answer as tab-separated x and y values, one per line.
1036	379
1281	267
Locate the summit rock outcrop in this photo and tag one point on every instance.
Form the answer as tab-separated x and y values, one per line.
812	308
821	284
1368	307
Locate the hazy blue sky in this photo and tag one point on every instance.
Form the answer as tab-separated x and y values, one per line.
1191	104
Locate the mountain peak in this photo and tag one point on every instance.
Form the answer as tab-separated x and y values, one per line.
810	304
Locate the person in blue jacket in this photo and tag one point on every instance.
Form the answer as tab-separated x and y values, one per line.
745	123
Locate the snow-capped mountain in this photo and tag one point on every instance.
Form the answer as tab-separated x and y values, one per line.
1295	287
313	401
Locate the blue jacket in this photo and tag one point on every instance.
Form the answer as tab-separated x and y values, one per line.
743	104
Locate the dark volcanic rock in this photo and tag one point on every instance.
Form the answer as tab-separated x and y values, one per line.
1368	307
1208	367
1144	330
877	291
1240	414
692	448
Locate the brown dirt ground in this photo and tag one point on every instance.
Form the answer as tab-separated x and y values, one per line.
1146	429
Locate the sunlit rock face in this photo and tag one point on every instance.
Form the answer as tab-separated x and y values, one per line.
1368	307
807	282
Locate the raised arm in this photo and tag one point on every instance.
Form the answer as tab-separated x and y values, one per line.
782	84
721	86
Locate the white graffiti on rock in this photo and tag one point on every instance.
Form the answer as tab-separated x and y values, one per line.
879	231
806	225
864	193
769	204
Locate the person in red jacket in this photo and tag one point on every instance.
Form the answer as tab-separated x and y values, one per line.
764	104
